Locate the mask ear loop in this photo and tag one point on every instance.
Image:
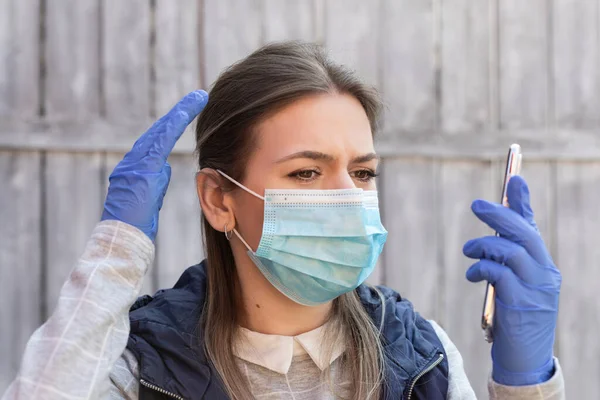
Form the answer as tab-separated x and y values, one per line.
229	234
252	192
249	191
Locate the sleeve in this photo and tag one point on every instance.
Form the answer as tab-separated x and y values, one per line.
80	351
125	378
460	388
552	389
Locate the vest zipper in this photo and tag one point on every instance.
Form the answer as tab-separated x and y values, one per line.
160	390
420	375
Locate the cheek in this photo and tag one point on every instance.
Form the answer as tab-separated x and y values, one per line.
249	221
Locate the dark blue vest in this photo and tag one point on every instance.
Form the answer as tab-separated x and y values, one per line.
167	341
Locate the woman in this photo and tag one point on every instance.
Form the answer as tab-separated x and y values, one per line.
279	308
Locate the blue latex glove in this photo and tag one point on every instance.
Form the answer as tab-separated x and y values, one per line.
527	286
139	182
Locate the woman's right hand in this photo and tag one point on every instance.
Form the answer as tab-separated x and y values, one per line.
139	182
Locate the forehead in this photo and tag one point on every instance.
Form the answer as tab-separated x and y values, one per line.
335	124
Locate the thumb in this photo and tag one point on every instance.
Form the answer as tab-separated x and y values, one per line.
519	199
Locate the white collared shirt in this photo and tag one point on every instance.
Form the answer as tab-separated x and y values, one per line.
291	367
275	352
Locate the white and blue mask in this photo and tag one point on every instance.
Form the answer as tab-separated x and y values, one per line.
317	244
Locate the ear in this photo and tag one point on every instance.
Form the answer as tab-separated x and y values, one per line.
215	202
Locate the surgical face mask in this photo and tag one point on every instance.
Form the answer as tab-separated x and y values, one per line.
317	244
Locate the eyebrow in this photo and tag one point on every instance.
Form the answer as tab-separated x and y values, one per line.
319	156
365	158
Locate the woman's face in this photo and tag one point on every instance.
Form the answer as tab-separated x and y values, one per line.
318	142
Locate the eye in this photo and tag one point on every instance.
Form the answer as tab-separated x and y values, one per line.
305	175
364	175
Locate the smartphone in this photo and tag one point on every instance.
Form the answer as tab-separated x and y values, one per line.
513	167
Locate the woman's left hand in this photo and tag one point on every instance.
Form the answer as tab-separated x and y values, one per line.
527	287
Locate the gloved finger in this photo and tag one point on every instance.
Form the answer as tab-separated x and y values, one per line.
165	132
512	255
517	192
486	270
178	119
504	280
513	227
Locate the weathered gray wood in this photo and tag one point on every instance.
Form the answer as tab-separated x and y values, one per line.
577	220
576	62
177	55
126	59
411	213
73	191
101	135
20	257
289	20
465	74
179	239
351	35
460	183
72	59
232	30
73	207
408	65
110	162
524	101
177	58
19	58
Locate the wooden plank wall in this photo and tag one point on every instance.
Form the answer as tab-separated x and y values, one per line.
462	79
21	218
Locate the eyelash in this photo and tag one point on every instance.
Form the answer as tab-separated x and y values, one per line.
370	175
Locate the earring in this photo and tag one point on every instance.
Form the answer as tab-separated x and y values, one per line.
227	234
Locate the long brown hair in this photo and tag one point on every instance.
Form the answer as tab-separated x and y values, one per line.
243	95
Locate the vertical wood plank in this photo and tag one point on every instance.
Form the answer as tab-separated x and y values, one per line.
73	207
578	217
465	74
411	217
126	59
110	162
524	68
177	58
20	257
232	30
576	63
460	184
72	59
288	20
73	193
179	239
352	34
408	65
19	52
177	55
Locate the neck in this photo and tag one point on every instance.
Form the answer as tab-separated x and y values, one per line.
266	309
